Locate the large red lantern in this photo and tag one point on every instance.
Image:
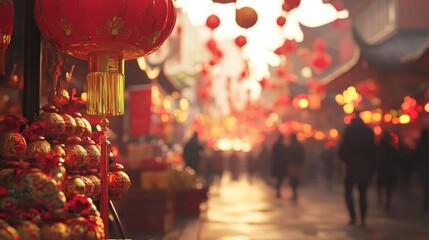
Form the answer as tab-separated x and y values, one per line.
246	17
106	33
6	28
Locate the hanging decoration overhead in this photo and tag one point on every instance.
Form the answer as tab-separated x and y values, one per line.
119	30
224	1
6	28
246	17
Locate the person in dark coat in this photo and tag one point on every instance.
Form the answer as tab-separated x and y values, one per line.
387	166
192	153
421	154
279	163
294	158
357	151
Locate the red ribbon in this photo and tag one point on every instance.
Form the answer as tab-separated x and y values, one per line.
11	123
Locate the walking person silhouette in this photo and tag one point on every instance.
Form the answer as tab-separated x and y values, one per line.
357	151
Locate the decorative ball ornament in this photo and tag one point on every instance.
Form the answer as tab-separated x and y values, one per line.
6	177
76	155
119	182
213	21
94	154
38	189
89	186
55	231
78	227
39	147
246	17
28	230
73	184
70	126
12	145
118	31
6	29
92	175
7	231
83	127
59	98
54	123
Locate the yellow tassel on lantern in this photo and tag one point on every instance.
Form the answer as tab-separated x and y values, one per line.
106	82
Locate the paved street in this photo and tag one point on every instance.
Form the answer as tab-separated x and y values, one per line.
244	211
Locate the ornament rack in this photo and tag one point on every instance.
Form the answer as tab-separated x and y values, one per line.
31	94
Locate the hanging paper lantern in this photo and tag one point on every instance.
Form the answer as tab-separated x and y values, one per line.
289	5
281	21
212	22
320	61
240	41
6	28
246	17
106	33
319	45
224	1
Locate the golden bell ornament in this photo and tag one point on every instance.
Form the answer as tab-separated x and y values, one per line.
118	181
76	155
54	123
39	147
55	231
59	98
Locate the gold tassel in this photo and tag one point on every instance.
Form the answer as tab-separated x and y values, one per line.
105	84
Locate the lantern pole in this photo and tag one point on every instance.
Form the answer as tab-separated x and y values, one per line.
31	91
104	170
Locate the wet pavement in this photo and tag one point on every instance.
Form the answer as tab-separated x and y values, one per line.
245	211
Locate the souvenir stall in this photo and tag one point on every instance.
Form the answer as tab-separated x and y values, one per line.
58	176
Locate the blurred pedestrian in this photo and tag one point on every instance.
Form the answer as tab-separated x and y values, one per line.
421	154
357	151
294	158
193	152
386	167
234	166
218	166
278	167
250	166
327	156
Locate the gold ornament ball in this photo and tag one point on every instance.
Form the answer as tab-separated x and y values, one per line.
39	147
7	232
59	98
55	231
118	182
70	125
12	145
28	230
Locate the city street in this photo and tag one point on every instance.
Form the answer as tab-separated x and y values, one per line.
242	210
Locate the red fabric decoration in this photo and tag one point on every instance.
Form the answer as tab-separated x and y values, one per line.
6	28
246	17
212	22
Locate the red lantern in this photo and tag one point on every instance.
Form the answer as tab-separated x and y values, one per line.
106	33
240	41
212	22
281	21
246	17
320	61
224	1
289	5
6	28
